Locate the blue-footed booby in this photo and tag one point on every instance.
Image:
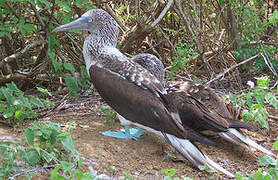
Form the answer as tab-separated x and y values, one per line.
200	108
133	91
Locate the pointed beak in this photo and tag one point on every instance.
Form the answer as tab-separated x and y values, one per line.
83	23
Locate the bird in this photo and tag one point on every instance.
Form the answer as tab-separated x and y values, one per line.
131	90
200	108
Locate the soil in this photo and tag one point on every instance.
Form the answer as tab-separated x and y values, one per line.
145	158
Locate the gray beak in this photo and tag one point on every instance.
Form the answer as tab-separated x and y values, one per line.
83	23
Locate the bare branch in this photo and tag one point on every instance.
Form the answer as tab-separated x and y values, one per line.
37	15
162	14
138	19
111	12
231	68
20	53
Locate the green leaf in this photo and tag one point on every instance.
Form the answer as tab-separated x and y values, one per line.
265	160
247	115
58	66
45	2
169	172
9	112
29	135
2	106
12	86
45	91
83	175
263	81
31	157
8	93
71	82
271	99
47	157
70	67
275	145
259	94
54	172
84	72
259	118
36	101
239	176
233	98
67	142
67	166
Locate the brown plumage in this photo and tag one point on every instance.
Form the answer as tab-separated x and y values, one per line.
201	109
131	90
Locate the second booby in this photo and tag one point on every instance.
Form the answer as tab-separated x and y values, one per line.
200	108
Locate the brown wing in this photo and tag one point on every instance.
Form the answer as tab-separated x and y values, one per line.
138	104
203	94
204	100
195	115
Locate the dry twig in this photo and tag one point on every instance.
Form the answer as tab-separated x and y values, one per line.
231	68
20	53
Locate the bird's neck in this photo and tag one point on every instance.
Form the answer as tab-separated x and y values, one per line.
95	43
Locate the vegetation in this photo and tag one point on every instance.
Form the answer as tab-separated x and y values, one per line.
17	107
255	101
44	143
199	40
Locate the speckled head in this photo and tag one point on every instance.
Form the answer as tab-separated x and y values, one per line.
152	64
103	31
94	20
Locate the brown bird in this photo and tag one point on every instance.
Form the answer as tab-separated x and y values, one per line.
131	90
200	108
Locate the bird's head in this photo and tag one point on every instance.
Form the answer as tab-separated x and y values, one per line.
92	21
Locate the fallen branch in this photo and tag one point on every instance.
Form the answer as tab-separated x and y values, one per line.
26	77
42	168
20	53
33	170
273	117
231	68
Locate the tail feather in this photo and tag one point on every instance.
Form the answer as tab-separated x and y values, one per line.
234	136
193	154
238	124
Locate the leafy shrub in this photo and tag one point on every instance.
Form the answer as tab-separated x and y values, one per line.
108	112
271	172
185	52
254	102
16	106
73	83
44	143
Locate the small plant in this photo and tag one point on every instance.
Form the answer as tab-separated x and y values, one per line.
185	54
73	83
170	155
170	174
271	172
207	169
44	143
108	111
127	176
254	102
16	106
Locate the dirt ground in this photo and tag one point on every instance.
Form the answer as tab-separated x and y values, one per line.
145	158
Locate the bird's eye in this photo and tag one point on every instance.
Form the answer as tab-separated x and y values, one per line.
90	20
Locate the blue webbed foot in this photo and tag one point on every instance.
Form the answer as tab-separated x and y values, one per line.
127	133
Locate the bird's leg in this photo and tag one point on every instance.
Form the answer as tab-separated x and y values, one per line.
137	134
127	133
